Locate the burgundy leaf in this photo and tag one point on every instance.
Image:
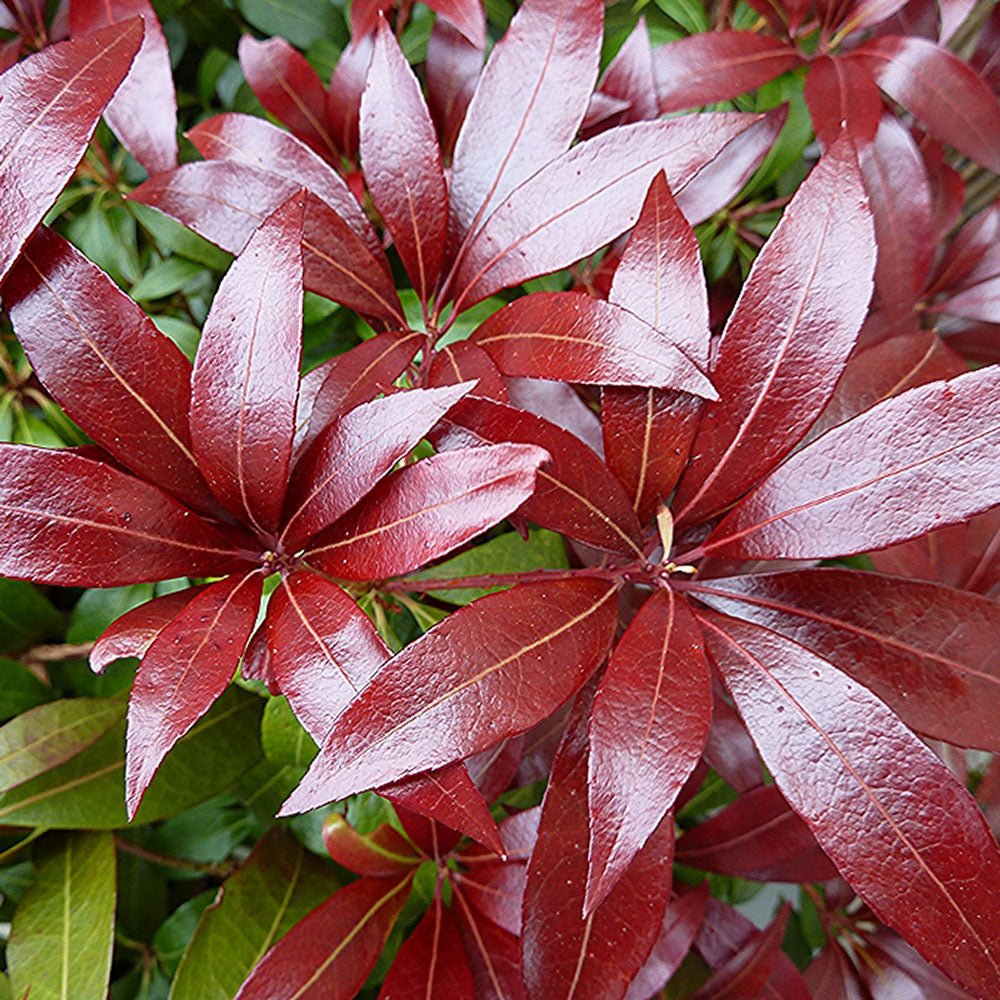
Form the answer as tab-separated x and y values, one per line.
357	450
979	295
912	463
289	89
261	145
648	728
560	404
343	97
431	965
10	52
102	358
528	104
867	13
717	66
522	651
143	114
402	164
134	631
493	954
756	837
940	90
600	111
909	839
831	975
382	853
841	95
788	337
570	337
330	952
465	362
575	494
630	78
593	193
365	16
187	666
468	16
51	105
567	954
926	650
422	511
246	375
75	522
730	751
453	68
497	892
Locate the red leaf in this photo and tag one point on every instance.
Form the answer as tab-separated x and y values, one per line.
343	98
730	751
630	78
590	195
465	362
330	952
259	144
289	89
468	16
756	837
143	113
453	68
402	165
912	463
831	975
944	93
575	494
902	831
225	201
75	522
717	66
569	337
560	404
100	356
648	728
528	104
187	666
133	633
365	16
927	650
382	853
431	965
841	95
354	453
422	511
246	376
493	954
565	954
497	892
522	651
788	337
51	105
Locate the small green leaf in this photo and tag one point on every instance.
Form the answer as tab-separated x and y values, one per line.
282	736
20	689
26	616
165	278
97	609
63	931
302	22
175	933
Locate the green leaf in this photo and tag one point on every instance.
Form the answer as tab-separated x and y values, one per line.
87	792
284	740
107	235
208	833
276	887
184	334
25	616
63	931
175	933
507	553
49	735
20	689
302	22
172	237
165	278
97	609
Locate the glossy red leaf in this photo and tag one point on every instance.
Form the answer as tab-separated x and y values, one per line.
382	853
289	89
468	16
925	649
730	751
225	201
133	633
787	339
965	252
593	193
528	104
365	16
571	337
909	839
831	975
648	728
102	358
575	493
630	78
717	66
944	93
493	953
522	651
187	666
756	837
143	113
330	953
432	964
264	146
680	925
567	954
402	164
914	462
354	453
343	96
600	111
841	95
51	105
496	891
10	52
245	382
466	362
422	511
453	68
978	297
76	522
560	404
